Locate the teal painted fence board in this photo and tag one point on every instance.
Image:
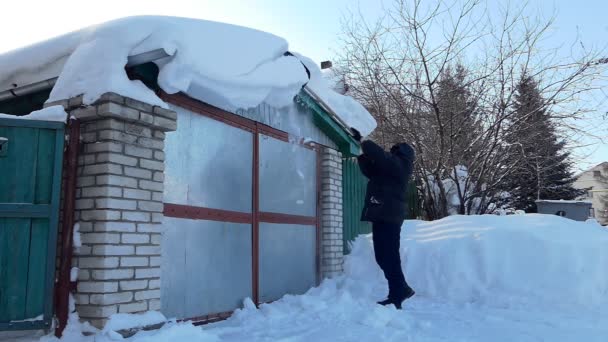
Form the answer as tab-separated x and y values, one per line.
30	183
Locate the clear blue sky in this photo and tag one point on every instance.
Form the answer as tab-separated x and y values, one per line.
311	26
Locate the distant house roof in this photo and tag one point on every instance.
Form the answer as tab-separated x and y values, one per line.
600	165
579	202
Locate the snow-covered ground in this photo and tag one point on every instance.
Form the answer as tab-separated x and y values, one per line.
478	278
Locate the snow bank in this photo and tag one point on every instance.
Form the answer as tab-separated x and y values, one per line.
229	66
74	329
503	261
124	321
520	277
176	332
478	278
52	113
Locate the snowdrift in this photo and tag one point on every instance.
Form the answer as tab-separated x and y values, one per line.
478	278
504	261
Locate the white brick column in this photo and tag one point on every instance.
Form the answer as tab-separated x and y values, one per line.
119	206
332	253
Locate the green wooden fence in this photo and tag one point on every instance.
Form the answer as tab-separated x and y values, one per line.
354	184
31	156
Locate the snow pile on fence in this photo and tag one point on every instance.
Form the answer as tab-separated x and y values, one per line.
229	66
52	113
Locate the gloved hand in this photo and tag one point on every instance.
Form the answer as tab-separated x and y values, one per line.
356	134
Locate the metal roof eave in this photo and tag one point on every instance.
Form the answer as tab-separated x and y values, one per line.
329	123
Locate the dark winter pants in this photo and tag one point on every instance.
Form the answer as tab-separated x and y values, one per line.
386	249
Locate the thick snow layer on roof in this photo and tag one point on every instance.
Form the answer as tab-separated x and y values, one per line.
52	113
351	112
566	201
226	65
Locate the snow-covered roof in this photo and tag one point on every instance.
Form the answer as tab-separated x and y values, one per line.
565	201
225	65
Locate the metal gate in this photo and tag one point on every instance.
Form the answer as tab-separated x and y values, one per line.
241	213
31	154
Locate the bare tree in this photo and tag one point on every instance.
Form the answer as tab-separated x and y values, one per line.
396	65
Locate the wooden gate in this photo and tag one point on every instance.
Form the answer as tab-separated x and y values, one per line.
31	156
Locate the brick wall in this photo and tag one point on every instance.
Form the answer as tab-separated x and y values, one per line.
119	205
332	253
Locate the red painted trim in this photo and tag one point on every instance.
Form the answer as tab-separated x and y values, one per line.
207	110
255	231
231	119
287	219
272	132
319	219
201	213
69	200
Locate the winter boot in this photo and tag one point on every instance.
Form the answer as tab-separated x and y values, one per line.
386	302
398	301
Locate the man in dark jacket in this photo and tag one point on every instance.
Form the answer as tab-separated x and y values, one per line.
385	206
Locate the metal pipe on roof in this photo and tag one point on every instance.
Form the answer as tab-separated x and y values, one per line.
146	57
6	95
28	89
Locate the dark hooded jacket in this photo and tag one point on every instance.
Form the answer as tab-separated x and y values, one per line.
388	174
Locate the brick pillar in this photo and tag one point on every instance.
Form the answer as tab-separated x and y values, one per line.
119	205
332	253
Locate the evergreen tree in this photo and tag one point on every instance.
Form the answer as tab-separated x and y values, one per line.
542	164
460	117
457	108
